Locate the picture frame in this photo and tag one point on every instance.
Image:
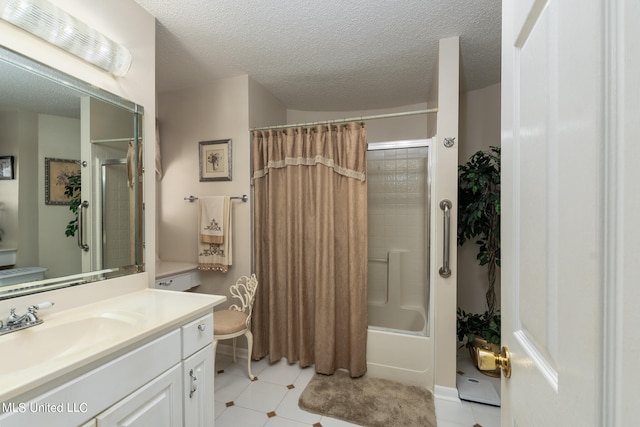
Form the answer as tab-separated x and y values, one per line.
215	160
7	170
56	175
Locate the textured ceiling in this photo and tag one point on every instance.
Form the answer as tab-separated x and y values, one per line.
329	55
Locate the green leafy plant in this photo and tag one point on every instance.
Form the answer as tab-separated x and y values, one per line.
72	189
479	220
472	325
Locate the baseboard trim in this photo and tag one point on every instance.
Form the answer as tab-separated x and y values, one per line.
446	393
227	350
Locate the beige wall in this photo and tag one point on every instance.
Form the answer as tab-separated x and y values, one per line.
217	111
58	138
389	129
479	129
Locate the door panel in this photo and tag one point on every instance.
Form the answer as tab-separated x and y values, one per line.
552	256
536	217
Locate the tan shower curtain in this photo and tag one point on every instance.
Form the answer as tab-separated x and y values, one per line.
311	246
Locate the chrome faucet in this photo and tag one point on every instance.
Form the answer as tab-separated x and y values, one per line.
30	318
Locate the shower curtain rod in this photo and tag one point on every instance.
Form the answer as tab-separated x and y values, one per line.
353	119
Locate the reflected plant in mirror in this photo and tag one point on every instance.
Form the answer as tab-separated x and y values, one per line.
67	118
72	189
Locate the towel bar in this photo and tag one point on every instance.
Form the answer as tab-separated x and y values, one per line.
244	198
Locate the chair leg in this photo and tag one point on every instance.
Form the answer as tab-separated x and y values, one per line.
249	336
234	350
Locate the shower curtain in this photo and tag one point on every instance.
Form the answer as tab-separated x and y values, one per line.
310	225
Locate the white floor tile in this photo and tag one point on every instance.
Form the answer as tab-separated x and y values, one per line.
460	413
253	400
283	422
486	415
281	373
333	422
289	408
227	387
262	396
219	408
445	423
235	416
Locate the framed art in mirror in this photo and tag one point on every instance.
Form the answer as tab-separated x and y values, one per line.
215	160
57	173
6	167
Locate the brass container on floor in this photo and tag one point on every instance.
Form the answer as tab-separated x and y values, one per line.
481	343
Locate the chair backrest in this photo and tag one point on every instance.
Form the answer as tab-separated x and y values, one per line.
245	290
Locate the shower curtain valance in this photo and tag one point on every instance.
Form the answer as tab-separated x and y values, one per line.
331	146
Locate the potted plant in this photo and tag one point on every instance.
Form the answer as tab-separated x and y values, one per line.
72	189
479	220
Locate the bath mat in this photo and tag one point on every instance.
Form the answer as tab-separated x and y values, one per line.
369	402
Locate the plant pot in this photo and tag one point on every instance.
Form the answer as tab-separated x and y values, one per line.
481	343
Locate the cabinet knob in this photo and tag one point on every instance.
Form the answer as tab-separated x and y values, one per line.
202	327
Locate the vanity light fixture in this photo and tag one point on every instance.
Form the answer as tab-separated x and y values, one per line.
54	25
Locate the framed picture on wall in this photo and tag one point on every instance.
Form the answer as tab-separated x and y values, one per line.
58	173
6	167
215	160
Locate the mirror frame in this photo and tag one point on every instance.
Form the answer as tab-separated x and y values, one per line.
83	88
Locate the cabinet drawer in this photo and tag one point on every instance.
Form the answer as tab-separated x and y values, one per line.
179	282
196	335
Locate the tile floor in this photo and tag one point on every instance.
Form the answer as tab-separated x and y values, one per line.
272	400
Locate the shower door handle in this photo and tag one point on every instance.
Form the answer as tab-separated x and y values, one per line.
81	244
445	205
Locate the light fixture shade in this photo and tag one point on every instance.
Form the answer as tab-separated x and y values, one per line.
50	23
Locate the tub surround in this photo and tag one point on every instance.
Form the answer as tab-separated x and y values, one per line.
99	331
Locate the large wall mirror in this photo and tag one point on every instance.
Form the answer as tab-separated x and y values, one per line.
70	180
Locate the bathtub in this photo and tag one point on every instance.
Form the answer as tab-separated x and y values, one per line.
400	356
398	345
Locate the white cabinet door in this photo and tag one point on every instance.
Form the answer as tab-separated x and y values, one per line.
198	388
158	404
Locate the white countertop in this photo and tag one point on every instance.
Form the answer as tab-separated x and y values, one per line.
75	338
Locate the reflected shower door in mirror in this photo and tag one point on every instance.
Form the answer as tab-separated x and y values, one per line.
71	227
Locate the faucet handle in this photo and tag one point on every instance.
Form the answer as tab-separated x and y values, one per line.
41	306
46	304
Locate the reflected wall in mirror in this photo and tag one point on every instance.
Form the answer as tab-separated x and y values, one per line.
47	114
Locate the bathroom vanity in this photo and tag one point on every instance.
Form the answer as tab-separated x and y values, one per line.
141	358
176	276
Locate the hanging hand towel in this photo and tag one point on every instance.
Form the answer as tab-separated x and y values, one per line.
212	211
214	235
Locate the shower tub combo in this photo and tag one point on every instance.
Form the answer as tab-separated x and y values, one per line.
399	344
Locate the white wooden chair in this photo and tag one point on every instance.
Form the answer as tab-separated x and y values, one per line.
236	320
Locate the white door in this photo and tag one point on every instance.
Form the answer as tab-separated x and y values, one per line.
563	210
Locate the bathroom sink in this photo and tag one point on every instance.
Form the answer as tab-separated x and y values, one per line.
54	341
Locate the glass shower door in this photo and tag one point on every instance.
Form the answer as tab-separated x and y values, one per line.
398	180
